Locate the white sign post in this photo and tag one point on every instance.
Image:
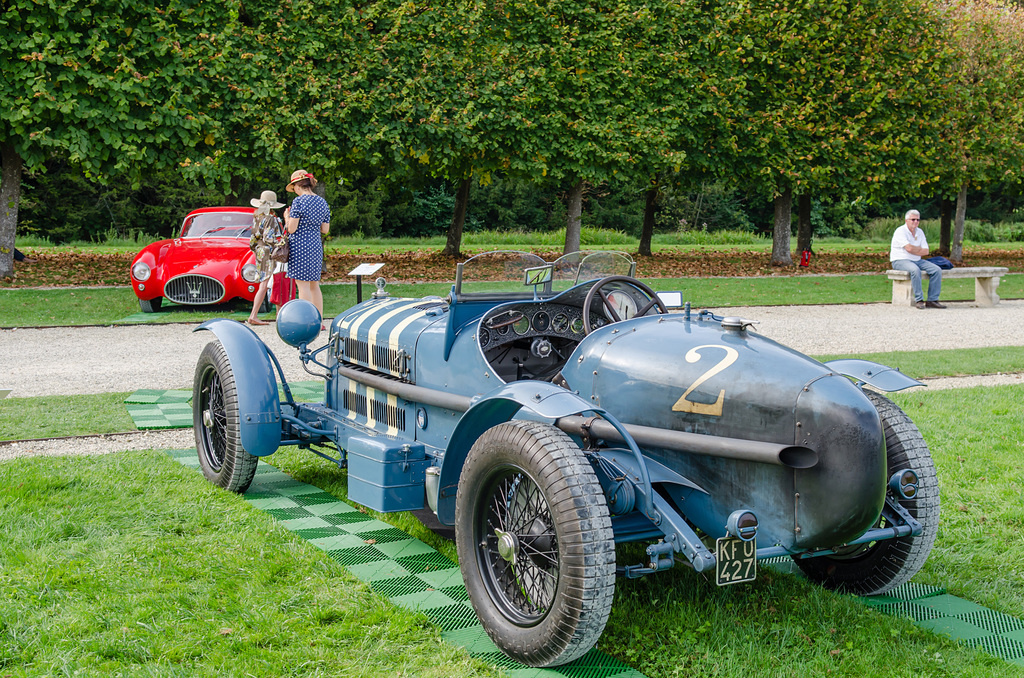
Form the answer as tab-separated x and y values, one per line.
359	271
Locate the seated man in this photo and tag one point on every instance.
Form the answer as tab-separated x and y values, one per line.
905	254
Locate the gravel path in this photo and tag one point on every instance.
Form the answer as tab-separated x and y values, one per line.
126	358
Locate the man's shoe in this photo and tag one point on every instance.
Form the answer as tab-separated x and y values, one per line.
920	304
934	304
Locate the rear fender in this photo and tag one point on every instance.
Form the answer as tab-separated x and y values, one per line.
876	375
259	408
540	398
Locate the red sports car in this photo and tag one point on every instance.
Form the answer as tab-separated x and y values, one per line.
208	263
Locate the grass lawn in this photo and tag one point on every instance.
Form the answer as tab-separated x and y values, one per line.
133	564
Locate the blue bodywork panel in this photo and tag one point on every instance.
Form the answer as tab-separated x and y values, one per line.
879	376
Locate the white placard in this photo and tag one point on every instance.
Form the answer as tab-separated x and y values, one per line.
366	269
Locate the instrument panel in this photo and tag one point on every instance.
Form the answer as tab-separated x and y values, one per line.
533	319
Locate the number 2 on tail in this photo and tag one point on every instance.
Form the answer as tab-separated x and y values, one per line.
713	409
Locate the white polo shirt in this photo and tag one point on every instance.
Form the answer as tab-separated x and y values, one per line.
903	237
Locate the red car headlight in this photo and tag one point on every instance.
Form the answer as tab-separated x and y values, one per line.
250	273
141	271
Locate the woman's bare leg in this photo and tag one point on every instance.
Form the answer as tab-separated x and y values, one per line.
310	291
257	301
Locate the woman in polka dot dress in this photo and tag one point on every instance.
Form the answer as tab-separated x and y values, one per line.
308	218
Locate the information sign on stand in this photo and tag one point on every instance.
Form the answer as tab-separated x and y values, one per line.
359	271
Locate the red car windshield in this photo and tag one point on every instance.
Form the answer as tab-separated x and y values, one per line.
219	225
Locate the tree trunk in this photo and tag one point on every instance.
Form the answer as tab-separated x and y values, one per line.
235	187
453	247
804	232
10	195
647	234
956	253
573	221
781	255
945	226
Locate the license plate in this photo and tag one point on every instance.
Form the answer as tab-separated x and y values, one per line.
737	560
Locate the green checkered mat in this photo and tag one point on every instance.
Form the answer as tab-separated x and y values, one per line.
156	409
152	396
160	415
397	566
932	608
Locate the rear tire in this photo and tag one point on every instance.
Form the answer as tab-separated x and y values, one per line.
876	568
265	306
150	305
216	422
535	543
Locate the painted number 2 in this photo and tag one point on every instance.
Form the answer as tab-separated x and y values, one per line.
713	409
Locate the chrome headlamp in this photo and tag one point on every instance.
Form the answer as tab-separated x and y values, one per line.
250	273
141	271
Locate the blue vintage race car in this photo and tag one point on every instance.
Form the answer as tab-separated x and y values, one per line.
551	410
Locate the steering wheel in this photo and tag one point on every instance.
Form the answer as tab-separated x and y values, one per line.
597	289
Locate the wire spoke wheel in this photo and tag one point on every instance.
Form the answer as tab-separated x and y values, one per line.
215	420
216	423
535	543
517	539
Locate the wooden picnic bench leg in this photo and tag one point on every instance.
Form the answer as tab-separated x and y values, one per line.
985	291
902	293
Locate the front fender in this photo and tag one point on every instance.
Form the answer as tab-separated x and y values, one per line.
879	376
259	408
500	405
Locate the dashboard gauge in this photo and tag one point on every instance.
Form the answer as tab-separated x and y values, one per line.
577	326
522	325
502	329
541	321
485	336
624	305
560	323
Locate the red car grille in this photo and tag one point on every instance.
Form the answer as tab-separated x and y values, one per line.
193	289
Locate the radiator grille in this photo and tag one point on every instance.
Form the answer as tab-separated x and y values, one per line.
388	414
354	402
193	289
385	358
357	351
380	411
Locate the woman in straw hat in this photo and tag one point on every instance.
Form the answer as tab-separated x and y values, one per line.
267	232
307	221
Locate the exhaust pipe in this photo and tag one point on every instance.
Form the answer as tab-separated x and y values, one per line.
790	456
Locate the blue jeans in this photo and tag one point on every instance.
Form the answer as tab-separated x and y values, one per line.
915	268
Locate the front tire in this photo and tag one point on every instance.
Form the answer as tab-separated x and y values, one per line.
150	305
535	543
216	422
876	568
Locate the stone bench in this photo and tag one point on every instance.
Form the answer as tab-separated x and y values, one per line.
986	283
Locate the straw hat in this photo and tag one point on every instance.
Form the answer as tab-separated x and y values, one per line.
267	199
299	175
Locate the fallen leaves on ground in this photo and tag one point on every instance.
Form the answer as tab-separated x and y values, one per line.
77	268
